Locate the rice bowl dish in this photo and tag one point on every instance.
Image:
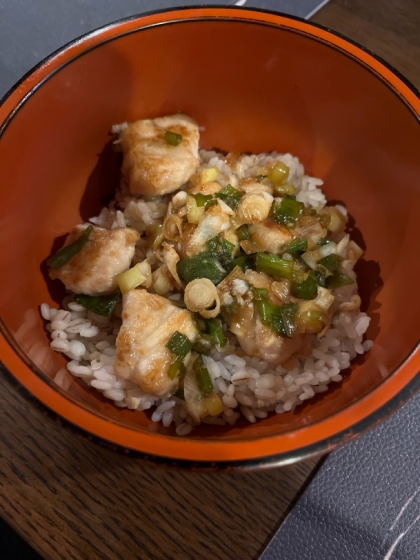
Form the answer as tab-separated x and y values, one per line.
213	286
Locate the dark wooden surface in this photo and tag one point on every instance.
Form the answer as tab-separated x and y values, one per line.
71	499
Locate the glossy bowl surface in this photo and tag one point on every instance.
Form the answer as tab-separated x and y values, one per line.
256	81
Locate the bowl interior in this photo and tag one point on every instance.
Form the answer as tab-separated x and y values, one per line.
253	88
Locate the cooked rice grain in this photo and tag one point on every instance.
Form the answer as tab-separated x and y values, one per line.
251	384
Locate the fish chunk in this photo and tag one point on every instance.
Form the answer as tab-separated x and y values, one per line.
93	271
270	236
259	340
151	165
149	321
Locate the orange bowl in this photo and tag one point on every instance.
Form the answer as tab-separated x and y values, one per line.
257	82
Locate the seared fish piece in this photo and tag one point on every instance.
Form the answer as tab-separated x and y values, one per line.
149	321
151	165
259	340
93	271
271	237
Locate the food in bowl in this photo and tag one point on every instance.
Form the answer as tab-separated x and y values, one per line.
213	286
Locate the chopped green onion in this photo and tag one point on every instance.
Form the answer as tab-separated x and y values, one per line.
296	246
208	175
331	262
218	244
319	276
216	332
288	211
130	279
279	173
205	200
202	376
214	404
65	254
173	138
174	368
182	371
202	265
324	241
312	320
154	234
339	279
101	305
230	196
260	178
200	322
306	289
288	314
260	294
179	344
222	250
245	262
203	345
243	233
180	393
280	319
210	334
268	311
286	188
270	264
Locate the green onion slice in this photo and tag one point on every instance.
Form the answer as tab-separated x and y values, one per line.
179	344
312	320
180	393
280	319
231	196
288	314
101	305
65	254
220	244
245	262
222	250
204	382
177	368
173	138
296	246
174	368
285	188
338	280
288	211
319	276
331	262
260	294
216	332
243	233
202	265
306	289
271	264
324	241
279	174
203	344
205	200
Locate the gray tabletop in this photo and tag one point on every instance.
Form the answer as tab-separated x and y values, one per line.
30	30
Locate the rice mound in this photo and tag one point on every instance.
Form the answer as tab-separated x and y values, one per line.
248	386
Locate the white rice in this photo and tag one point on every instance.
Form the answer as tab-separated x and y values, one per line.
247	385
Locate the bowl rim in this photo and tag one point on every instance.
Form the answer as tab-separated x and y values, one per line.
251	453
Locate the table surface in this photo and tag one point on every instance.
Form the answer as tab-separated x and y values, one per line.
71	499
